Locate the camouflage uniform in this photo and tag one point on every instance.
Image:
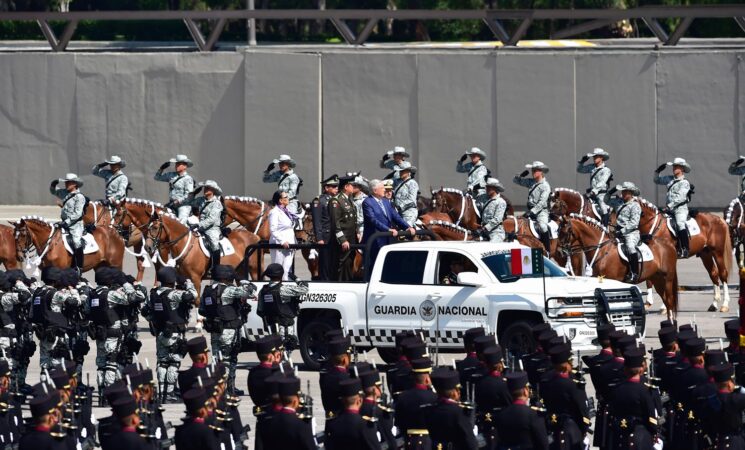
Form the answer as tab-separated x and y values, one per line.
73	204
404	199
210	220
358	199
538	198
492	217
599	179
627	224
477	175
676	199
288	182
18	294
47	345
116	183
179	196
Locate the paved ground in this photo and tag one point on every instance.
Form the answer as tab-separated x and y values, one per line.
692	307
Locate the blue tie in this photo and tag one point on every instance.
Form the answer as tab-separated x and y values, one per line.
385	213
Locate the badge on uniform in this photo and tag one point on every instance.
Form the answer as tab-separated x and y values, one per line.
94	302
268	298
208	301
158	306
37	300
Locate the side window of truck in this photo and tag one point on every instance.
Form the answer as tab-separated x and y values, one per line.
404	267
450	264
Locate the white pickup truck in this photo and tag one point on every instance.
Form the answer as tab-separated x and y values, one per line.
408	291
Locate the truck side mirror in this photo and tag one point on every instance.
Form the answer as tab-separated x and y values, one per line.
470	279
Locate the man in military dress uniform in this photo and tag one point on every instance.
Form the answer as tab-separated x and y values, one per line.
392	160
358	196
269	355
538	198
467	365
727	432
519	425
180	184
737	169
687	377
477	172
116	182
448	424
339	350
285	429
287	180
195	433
73	209
343	232
600	178
45	413
628	215
493	212
406	193
374	405
491	395
351	429
169	309
199	352
679	191
322	225
210	220
127	438
409	417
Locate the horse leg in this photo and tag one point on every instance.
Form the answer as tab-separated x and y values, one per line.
707	258
660	285
721	258
650	295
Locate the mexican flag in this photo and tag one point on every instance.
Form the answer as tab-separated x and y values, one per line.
526	261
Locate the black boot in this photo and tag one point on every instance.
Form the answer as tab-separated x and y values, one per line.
79	259
214	259
606	219
633	275
683	242
546	241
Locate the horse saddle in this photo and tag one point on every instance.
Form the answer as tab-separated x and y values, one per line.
225	246
90	244
595	211
643	249
476	207
691	224
553	229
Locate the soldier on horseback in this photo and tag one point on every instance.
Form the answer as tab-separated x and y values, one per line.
180	183
210	220
736	169
406	193
679	191
476	170
73	209
600	179
117	183
394	160
628	215
287	180
493	212
538	198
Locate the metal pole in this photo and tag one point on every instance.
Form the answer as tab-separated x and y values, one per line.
251	25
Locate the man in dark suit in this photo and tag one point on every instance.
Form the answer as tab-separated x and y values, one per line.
380	215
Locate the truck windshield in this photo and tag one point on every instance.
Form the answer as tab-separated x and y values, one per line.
501	266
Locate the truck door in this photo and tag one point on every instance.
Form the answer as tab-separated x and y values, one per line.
394	296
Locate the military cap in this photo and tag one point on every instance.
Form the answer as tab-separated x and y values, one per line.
406	165
421	365
714	358
103	276
599	152
210	184
358	367
414	349
445	379
667	335
370	378
146	376
667	323
50	275
401	336
223	272
732	329
559	340
388	185
686	327
628	186
44	403
694	347
4	368
680	162
181	159
274	270
614	336
350	387
167	275
537	329
481	343
288	386
516	381
545	337
340	346
194	399
115	159
271	382
115	391
334	333
560	354
71	367
493	355
633	358
124	407
722	373
266	345
472	333
398	150
197	345
17	274
684	335
69	277
537	165
626	342
333	180
604	331
59	378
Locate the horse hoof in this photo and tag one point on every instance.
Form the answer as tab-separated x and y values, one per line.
712	308
648	306
724	309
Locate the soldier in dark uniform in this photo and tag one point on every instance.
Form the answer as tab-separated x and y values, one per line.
632	408
350	429
687	377
538	362
518	425
594	364
199	352
480	344
733	350
448	424
195	433
466	365
401	367
402	380
285	430
10	411
45	413
727	432
322	225
372	406
125	410
343	215
339	350
409	418
269	356
566	404
491	395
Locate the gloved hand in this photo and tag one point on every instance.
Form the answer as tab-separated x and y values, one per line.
463	158
612	190
269	168
386	157
302	283
55	183
660	168
739	161
164	166
584	159
194	226
101	165
524	173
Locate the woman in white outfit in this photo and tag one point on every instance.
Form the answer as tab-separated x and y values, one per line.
282	231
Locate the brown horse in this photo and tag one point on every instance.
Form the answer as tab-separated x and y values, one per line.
713	245
734	215
590	237
184	252
448	231
10	255
460	207
47	240
573	202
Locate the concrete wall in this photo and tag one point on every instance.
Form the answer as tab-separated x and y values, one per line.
339	110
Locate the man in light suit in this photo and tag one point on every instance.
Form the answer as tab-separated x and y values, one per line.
380	215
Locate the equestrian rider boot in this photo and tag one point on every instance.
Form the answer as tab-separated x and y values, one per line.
214	259
546	241
683	243
79	260
606	219
633	275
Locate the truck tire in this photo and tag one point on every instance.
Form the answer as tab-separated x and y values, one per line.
388	354
517	338
313	343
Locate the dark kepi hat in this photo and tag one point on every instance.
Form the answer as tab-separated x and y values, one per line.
333	180
626	342
270	382
537	329
334	333
266	345
197	345
732	329
686	327
559	340
274	270
545	337
667	323
560	354
288	386
167	275
685	335
667	335
358	367
339	347
604	331
124	407
481	343
223	272
60	378
633	358
370	378
421	365
472	333
43	404
414	349
516	381
722	373
694	347
614	336
714	358
445	379
401	336
4	368
194	399
115	391
493	355
350	387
